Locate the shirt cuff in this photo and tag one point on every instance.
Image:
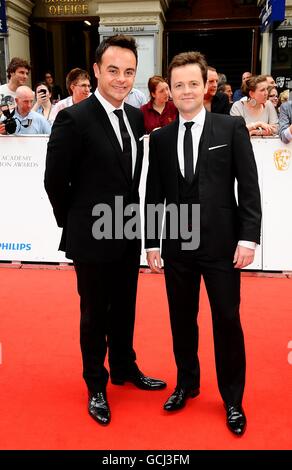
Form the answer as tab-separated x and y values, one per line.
246	244
151	249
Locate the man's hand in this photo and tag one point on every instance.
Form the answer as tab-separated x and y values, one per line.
243	257
2	129
154	261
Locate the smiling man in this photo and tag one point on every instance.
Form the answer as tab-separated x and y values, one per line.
17	73
94	157
195	161
78	87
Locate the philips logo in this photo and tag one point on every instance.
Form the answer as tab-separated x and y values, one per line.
15	246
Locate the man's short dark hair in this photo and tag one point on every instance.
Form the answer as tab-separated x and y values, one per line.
186	58
15	64
118	40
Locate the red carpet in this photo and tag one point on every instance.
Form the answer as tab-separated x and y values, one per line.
43	397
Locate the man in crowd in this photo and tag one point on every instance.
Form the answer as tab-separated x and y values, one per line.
94	156
26	120
17	73
194	161
78	87
285	122
214	100
136	98
270	80
237	95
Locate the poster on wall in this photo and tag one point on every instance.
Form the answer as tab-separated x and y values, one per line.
28	228
147	43
146	65
282	59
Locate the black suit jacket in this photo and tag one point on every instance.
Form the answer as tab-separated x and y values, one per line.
225	154
84	167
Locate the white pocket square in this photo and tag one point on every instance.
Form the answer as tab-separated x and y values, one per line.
217	147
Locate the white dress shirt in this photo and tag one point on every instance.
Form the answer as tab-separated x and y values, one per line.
109	109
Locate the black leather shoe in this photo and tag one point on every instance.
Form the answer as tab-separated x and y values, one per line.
98	407
235	419
140	381
178	399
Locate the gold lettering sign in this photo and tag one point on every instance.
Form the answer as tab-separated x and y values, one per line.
282	159
66	7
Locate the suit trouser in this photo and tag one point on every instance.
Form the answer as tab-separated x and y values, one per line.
107	304
223	287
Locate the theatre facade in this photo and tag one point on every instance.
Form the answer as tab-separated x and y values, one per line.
58	35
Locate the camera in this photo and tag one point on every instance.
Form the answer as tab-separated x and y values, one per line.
43	91
6	103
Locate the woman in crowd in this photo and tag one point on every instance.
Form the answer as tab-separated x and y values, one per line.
159	111
258	112
56	90
43	104
273	96
78	86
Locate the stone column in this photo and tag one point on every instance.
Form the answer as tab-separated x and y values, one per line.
18	13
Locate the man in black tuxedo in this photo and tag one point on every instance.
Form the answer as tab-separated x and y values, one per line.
94	163
195	161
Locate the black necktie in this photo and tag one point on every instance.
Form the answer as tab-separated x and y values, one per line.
188	152
127	148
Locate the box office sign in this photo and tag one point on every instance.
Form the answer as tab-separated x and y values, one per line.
66	7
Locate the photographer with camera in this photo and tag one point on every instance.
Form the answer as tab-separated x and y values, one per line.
7	110
26	120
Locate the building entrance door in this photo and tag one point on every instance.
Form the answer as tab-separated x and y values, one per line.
230	51
59	46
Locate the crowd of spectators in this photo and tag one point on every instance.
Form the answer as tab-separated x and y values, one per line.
258	112
265	111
